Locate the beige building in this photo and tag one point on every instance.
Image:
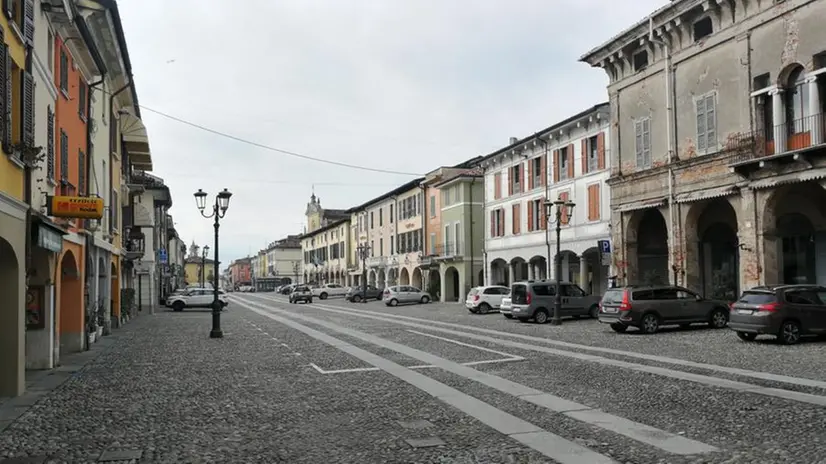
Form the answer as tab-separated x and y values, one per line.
725	191
325	245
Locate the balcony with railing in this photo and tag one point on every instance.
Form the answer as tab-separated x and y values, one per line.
775	142
376	261
448	251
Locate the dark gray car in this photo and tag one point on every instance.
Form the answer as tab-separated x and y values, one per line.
786	311
301	293
535	299
650	307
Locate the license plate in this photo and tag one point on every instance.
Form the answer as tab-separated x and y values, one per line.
610	310
745	311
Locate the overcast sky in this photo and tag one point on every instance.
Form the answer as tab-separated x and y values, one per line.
401	85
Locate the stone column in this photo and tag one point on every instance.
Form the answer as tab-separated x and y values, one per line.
816	124
583	274
748	236
512	270
779	120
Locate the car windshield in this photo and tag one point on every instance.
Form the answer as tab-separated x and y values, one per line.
757	298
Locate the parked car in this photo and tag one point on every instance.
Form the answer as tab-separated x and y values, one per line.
287	289
506	308
196	298
356	294
301	293
396	294
485	299
328	290
787	312
650	307
535	299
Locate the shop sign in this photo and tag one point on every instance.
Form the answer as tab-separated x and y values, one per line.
50	240
75	207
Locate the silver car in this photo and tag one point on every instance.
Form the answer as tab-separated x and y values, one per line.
396	294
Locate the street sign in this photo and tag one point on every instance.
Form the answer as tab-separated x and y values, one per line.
606	259
604	246
162	257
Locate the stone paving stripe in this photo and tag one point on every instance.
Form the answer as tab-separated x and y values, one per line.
632	354
663	440
120	455
570	453
428	442
468	345
25	460
661	371
416	424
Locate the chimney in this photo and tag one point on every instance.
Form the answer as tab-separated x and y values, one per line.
513	140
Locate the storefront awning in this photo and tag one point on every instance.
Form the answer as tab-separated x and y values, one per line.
639	205
705	194
136	141
792	178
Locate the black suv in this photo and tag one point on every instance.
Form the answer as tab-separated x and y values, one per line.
785	311
649	307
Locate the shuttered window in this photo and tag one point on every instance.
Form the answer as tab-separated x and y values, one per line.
593	202
706	123
81	99
6	81
81	173
64	71
64	157
50	143
642	129
4	53
28	22
28	109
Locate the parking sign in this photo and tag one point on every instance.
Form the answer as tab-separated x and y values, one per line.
604	246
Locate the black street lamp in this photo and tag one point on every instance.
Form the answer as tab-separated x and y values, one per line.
219	210
564	211
204	253
364	252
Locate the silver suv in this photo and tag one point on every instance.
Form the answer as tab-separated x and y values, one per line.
301	293
535	299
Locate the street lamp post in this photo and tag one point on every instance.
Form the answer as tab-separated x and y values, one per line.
204	253
219	210
564	211
364	250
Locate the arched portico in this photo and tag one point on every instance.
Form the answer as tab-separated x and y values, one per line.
404	277
712	264
646	247
417	279
499	272
71	308
12	359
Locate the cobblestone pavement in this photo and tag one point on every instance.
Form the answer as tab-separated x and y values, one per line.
333	382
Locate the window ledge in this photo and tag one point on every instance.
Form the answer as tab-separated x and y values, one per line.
17	32
65	93
17	162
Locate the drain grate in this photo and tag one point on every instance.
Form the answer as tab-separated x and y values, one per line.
120	455
428	442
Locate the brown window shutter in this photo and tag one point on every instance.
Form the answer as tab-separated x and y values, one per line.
543	173
510	181
597	202
591	202
571	161
584	156
515	219
556	166
497	186
501	221
530	216
564	197
530	175
493	223
601	150
543	216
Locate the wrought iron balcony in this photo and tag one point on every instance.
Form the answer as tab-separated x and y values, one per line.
792	137
448	251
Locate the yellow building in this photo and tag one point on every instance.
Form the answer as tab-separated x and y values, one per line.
13	205
198	271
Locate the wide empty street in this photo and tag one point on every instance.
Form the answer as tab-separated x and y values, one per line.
337	382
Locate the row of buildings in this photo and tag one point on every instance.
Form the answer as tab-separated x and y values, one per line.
86	238
704	168
277	264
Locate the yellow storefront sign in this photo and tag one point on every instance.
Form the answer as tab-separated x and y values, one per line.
75	207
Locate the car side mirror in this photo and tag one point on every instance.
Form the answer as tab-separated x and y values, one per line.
698	297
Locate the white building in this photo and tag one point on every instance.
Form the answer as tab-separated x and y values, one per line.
568	160
284	258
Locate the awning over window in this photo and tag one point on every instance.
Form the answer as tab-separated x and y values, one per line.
640	205
792	178
136	141
705	194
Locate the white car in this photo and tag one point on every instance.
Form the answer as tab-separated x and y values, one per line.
195	298
485	299
328	290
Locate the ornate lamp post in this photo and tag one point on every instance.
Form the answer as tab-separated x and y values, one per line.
204	253
564	211
364	252
219	210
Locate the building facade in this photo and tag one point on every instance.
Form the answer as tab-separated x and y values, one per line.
724	192
239	273
569	161
284	259
325	251
407	244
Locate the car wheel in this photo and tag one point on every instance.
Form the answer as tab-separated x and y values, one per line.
650	323
425	299
719	319
357	299
310	301
789	333
747	336
323	296
541	316
593	311
177	306
393	302
619	328
484	308
508	316
473	309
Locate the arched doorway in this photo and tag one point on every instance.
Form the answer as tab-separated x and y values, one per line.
103	288
499	273
712	246
595	273
381	279
652	248
371	280
520	269
114	291
72	334
481	277
404	277
570	267
417	278
798	256
538	268
451	284
10	285
392	276
434	284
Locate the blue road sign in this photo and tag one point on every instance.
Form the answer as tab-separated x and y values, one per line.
162	255
604	246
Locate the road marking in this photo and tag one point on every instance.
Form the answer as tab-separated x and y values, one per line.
460	343
661	439
809	398
420	366
550	445
631	354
